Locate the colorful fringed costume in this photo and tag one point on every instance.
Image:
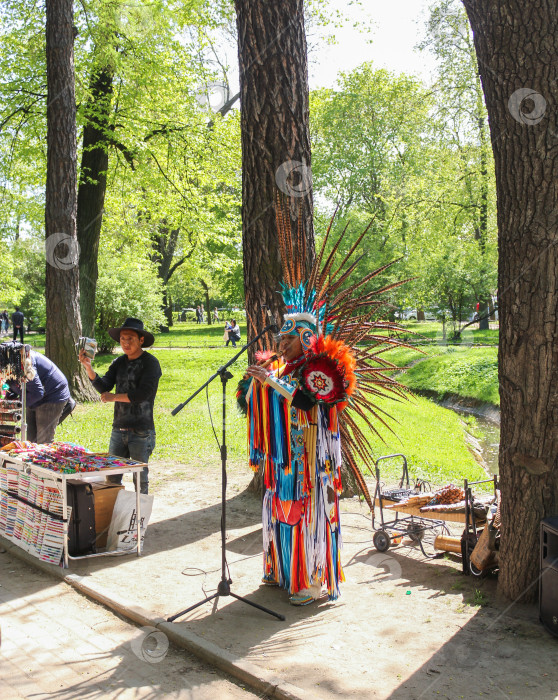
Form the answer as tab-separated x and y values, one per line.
300	427
296	440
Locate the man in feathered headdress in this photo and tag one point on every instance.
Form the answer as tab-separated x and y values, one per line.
301	413
296	436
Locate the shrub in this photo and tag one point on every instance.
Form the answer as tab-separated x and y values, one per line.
127	286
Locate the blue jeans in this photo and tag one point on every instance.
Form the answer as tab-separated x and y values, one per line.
132	444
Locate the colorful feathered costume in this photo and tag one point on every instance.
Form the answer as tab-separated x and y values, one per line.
300	427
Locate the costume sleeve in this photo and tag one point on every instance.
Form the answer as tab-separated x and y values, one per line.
106	382
148	383
241	392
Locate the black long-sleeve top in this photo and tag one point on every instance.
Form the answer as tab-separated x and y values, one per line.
139	379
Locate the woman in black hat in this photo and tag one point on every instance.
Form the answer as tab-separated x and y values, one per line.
135	377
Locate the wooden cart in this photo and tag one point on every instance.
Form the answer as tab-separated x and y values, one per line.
426	528
408	520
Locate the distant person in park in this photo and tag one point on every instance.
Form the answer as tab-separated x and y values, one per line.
17	322
47	394
233	331
135	376
216	315
198	314
5	321
202	314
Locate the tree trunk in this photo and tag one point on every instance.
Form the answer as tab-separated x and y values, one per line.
62	252
483	315
276	159
420	315
91	192
275	145
519	84
206	294
163	243
170	320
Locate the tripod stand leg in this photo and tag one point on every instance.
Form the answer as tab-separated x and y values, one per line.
256	605
192	607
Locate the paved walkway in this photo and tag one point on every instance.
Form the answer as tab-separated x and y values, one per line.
404	628
59	644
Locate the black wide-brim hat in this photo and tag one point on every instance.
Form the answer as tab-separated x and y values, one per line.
133	324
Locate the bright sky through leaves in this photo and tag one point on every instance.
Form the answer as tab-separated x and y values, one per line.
398	25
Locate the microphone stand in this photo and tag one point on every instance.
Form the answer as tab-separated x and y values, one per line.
224	587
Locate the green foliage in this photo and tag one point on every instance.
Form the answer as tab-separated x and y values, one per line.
366	143
29	268
128	286
173	183
416	163
11	290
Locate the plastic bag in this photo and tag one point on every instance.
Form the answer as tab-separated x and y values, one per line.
122	534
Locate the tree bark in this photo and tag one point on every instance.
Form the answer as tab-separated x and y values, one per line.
516	46
91	191
163	243
62	252
275	145
275	137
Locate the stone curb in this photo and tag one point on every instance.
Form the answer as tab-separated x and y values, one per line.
257	678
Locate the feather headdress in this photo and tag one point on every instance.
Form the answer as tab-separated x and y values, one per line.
343	336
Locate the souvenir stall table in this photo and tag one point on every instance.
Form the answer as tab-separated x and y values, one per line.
35	513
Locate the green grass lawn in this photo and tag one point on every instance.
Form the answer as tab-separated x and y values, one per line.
181	335
471	372
431	437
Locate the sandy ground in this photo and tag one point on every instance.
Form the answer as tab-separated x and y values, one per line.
404	627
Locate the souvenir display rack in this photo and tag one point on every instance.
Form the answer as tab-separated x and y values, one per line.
12	412
34	510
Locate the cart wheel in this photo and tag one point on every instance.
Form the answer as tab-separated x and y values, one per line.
476	572
415	532
427	541
381	540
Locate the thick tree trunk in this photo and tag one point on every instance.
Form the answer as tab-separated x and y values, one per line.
275	144
516	45
62	273
91	192
275	150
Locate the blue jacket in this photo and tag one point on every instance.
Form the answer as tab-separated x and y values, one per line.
49	385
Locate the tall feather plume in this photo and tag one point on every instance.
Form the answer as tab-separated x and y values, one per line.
347	314
312	280
285	240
